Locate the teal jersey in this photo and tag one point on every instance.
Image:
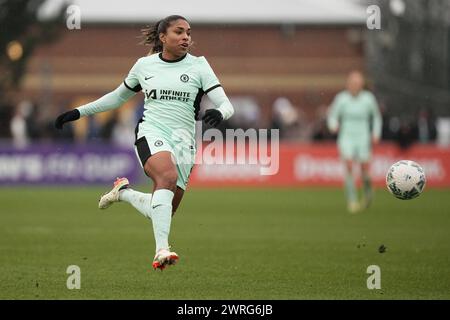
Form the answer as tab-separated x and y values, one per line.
357	118
173	91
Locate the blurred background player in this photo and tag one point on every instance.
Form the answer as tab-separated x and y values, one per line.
173	82
354	115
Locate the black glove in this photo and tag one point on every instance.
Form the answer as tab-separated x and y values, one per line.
71	115
212	117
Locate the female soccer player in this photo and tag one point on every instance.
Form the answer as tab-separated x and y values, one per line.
355	115
173	82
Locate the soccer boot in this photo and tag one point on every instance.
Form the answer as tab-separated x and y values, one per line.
113	196
353	207
164	258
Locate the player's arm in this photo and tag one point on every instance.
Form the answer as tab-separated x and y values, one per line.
333	116
377	121
211	86
224	108
109	101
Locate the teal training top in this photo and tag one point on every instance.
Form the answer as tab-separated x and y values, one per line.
356	117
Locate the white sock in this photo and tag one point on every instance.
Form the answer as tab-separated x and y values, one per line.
161	213
141	201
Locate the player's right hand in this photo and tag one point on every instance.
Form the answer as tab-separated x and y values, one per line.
68	116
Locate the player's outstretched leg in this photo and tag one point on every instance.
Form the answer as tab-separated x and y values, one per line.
139	200
122	192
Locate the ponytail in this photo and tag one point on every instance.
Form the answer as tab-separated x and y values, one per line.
150	35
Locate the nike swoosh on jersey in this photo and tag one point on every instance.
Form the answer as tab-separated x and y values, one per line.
147	78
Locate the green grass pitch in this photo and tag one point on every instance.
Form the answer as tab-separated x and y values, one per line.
233	244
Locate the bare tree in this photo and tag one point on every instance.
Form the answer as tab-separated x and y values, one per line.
409	58
21	32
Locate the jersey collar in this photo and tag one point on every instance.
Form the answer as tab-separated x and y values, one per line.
171	61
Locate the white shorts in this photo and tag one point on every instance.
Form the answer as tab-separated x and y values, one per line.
150	142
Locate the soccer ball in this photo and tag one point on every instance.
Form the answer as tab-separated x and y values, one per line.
405	179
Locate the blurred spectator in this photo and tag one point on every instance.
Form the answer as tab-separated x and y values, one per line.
123	131
387	132
247	113
285	117
34	129
105	130
426	126
406	135
443	132
6	113
392	129
320	130
18	124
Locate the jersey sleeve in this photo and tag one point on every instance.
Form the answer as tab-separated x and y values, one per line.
333	114
108	102
208	78
221	101
132	79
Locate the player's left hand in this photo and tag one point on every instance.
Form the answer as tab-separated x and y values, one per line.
375	140
212	117
71	115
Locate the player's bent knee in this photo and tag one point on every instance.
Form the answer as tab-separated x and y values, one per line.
167	180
